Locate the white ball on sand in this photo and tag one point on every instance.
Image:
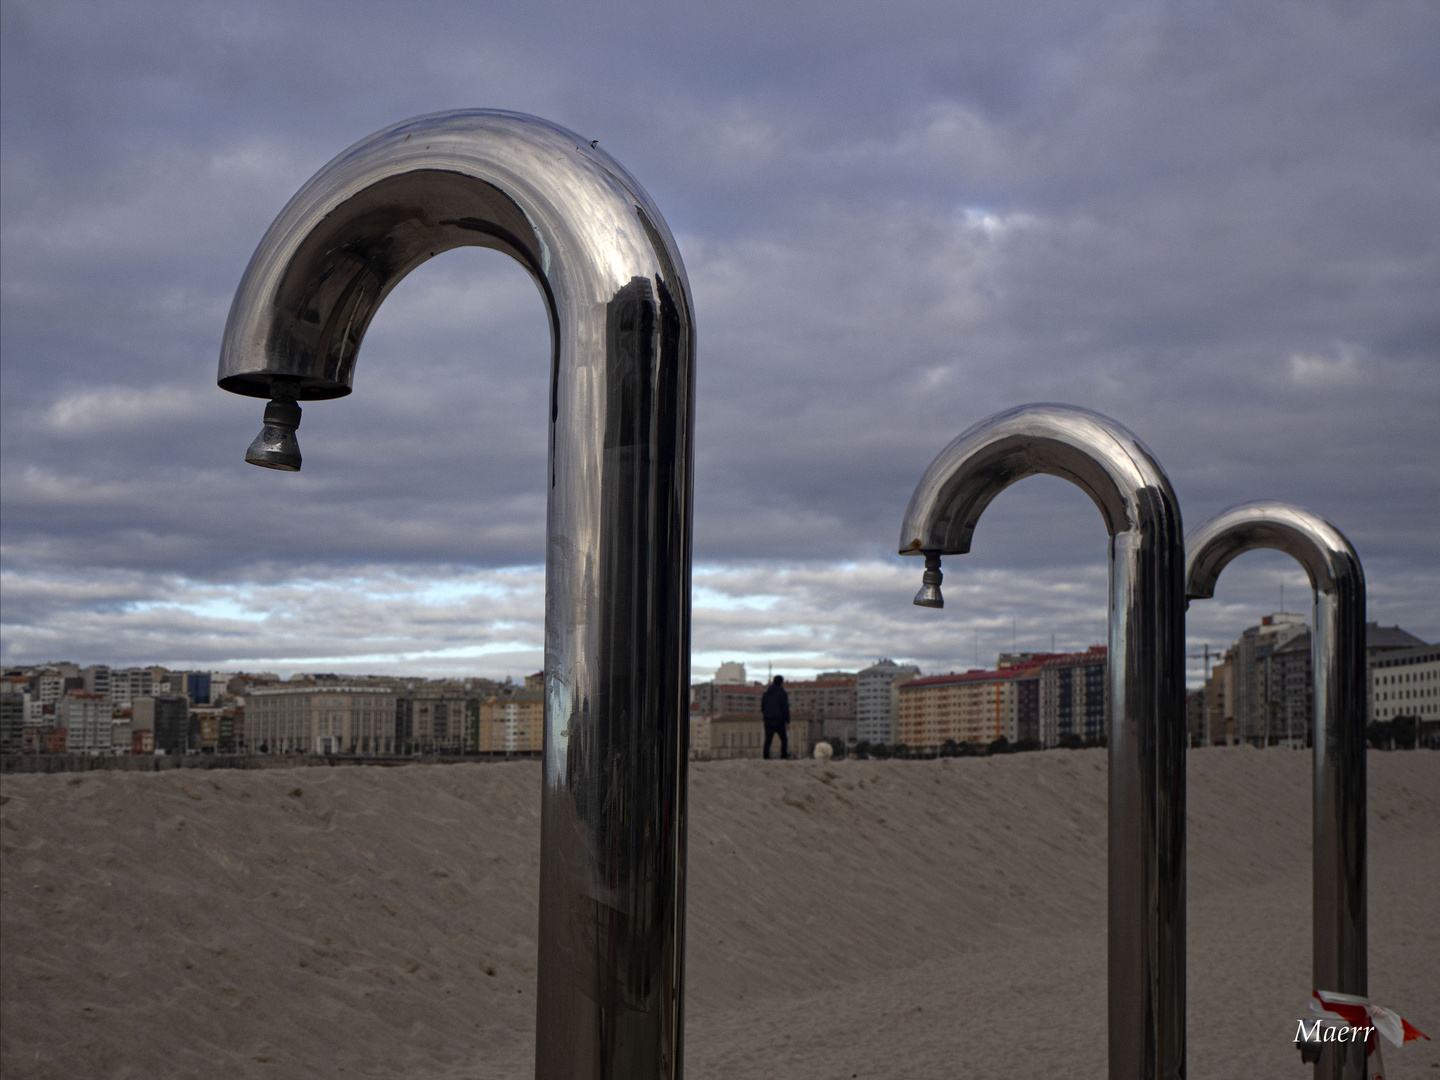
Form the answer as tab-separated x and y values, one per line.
824	751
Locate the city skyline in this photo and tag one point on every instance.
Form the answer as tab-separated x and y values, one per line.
1261	693
980	660
1212	227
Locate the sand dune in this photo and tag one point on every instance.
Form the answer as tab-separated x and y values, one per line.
851	919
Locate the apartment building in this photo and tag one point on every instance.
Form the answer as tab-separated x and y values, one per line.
975	707
1195	717
714	698
877	696
1220	703
822	708
1406	682
1263	690
128	684
1382	642
511	723
14	713
1027	689
167	719
213	729
86	720
197	687
1073	698
1289	675
1257	693
96	680
719	698
829	694
736	735
431	721
742	735
52	684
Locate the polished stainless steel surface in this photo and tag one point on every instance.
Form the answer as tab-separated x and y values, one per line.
1337	644
1146	670
617	602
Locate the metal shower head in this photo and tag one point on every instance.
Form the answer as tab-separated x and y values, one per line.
276	446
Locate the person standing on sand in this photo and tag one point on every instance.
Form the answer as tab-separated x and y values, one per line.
775	708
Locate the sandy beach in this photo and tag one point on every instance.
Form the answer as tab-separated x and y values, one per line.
847	919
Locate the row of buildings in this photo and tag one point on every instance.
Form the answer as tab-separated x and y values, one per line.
381	719
725	714
63	708
1045	698
1261	691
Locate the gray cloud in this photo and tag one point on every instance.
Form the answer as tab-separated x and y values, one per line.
1213	223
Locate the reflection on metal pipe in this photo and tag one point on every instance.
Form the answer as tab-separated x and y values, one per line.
1337	648
617	566
1147	705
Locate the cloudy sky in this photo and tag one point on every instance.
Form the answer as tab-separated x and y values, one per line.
1217	223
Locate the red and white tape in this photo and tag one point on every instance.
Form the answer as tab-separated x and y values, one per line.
1336	1010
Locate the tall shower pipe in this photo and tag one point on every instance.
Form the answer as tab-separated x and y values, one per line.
1337	650
1145	672
618	522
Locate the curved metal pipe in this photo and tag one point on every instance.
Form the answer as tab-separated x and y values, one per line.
618	526
1337	650
1145	671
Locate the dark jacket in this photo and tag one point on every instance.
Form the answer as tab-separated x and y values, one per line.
775	706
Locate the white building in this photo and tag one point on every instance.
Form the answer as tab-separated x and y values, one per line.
86	720
50	687
877	692
1406	682
219	682
127	684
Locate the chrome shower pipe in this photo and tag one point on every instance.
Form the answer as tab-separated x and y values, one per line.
1145	686
618	525
1337	651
